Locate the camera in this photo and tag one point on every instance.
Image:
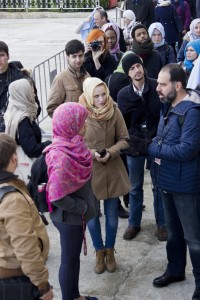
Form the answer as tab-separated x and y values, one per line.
95	46
102	153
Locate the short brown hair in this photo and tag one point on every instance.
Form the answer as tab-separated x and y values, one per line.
7	148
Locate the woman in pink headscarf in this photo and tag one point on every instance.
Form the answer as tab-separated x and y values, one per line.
112	34
69	164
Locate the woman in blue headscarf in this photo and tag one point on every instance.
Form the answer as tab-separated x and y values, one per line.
192	51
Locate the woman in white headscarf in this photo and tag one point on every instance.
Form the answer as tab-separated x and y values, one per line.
190	36
157	34
20	118
129	22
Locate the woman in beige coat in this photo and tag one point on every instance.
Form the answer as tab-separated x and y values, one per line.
106	135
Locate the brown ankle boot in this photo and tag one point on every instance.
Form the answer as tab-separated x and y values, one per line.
100	262
110	260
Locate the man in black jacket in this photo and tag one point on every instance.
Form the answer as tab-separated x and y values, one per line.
140	107
143	9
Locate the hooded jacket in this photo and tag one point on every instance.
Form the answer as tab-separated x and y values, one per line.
67	86
24	242
177	146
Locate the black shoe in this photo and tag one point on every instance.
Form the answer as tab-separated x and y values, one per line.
122	213
196	295
126	200
167	279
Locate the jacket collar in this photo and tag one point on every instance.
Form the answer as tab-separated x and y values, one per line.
145	89
6	176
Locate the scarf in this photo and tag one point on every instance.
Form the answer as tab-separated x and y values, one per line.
188	64
128	29
191	33
21	104
119	67
115	28
156	45
86	99
144	48
161	29
69	161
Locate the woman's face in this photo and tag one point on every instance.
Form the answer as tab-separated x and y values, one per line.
126	21
191	53
156	36
111	38
197	29
99	96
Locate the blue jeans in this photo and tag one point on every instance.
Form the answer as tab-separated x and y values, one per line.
136	176
94	226
19	288
182	215
71	239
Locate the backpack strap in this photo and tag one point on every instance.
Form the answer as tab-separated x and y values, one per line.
6	189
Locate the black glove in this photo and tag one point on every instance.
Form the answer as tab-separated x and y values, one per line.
137	146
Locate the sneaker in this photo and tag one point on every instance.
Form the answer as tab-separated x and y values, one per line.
131	232
90	298
161	234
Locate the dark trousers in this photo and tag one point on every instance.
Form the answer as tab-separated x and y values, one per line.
182	216
19	288
71	239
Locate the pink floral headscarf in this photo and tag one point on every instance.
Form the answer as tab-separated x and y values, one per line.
68	159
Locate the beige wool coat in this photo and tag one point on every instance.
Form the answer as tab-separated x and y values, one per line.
109	179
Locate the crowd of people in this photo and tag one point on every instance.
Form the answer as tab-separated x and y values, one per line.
126	101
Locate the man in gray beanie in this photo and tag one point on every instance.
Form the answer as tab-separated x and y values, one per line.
140	107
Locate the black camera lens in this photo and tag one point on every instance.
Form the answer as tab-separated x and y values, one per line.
95	46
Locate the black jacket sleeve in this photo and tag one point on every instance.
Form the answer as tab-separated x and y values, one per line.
29	137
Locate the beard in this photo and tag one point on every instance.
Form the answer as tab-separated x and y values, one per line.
170	97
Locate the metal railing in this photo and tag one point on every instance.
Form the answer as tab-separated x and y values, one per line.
43	75
48	4
119	12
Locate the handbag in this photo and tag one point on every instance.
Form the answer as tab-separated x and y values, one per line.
23	169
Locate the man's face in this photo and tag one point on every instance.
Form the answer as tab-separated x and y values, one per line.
99	22
141	35
76	60
166	89
136	72
3	62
